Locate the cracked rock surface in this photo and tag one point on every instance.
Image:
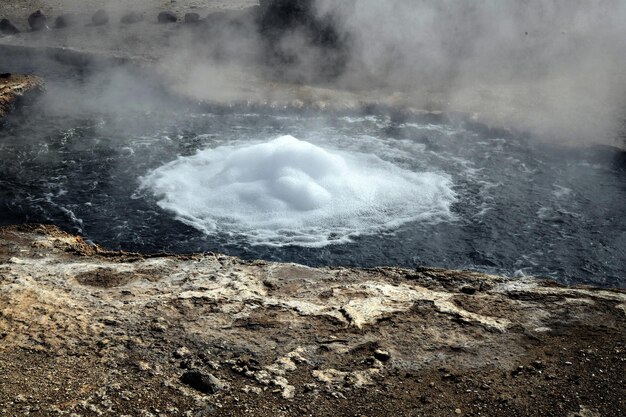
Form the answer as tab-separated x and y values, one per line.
85	331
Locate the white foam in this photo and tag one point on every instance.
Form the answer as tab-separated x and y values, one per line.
288	191
561	192
444	129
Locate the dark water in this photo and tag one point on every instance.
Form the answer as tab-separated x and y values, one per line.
523	208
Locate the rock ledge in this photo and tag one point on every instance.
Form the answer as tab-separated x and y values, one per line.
121	331
14	87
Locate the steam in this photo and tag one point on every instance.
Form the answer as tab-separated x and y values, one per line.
291	192
551	68
554	68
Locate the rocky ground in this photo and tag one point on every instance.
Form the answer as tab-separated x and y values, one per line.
88	332
142	39
14	88
18	10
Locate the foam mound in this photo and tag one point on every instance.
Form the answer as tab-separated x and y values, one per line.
291	192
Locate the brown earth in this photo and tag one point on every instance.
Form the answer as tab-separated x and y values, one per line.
85	331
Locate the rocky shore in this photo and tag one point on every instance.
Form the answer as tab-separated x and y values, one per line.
85	331
16	87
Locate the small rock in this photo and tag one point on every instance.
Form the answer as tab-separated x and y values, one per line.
206	383
65	20
458	411
504	398
585	412
158	327
7	28
37	21
16	260
110	321
382	355
127	395
425	400
20	398
213	365
104	343
182	352
187	364
101	17
468	290
143	366
451	377
192	18
167	17
252	390
132	17
338	395
538	364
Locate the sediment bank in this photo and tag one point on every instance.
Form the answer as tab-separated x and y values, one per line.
92	332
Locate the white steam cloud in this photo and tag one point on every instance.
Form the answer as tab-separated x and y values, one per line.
554	67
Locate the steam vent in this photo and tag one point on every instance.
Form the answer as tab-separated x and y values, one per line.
312	208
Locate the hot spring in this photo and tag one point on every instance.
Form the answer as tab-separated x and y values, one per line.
291	192
342	190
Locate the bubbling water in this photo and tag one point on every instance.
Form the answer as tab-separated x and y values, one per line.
291	192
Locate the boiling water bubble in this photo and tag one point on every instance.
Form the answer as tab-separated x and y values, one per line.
291	192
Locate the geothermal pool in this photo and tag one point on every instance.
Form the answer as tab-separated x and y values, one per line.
288	191
343	190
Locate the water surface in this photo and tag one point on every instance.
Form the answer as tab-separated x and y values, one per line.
514	206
